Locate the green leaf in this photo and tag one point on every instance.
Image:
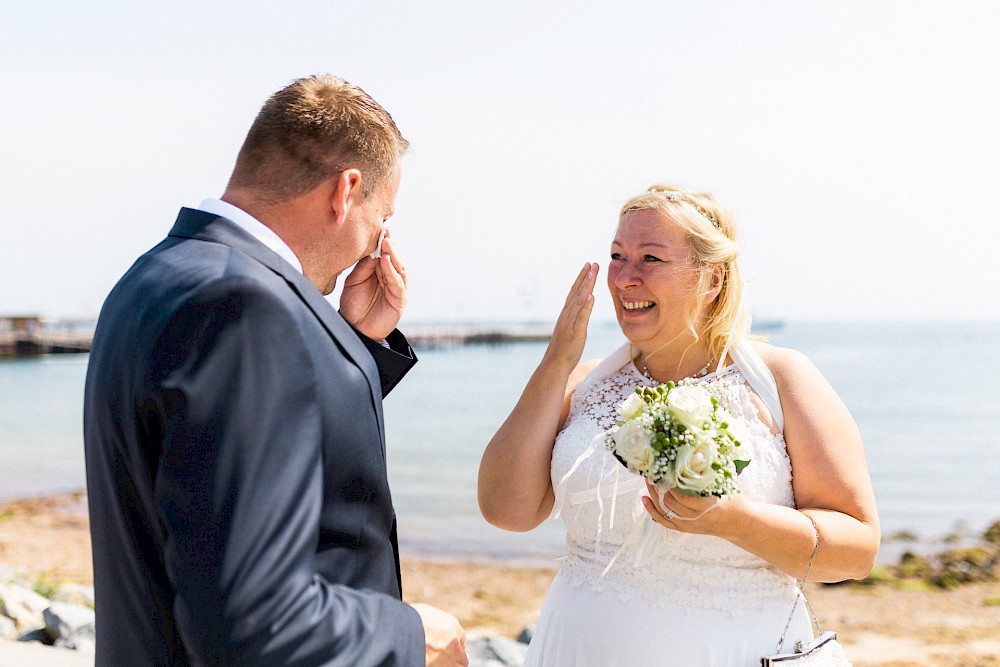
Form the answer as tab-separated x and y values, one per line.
740	465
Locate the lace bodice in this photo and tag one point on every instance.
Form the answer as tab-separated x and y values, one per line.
601	506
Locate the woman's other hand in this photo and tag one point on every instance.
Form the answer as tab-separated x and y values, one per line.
687	513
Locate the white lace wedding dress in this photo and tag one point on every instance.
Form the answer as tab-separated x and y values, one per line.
700	601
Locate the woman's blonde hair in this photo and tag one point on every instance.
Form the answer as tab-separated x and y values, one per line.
711	234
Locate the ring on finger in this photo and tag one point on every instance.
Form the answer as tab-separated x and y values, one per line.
669	515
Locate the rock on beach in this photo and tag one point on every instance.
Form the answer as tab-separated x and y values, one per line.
37	631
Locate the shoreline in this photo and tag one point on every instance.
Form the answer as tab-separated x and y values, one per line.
893	544
46	542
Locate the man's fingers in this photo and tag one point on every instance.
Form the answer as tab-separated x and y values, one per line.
392	282
362	271
390	263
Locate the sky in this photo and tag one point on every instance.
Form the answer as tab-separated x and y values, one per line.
857	142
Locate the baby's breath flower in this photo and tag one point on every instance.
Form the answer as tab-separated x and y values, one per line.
679	436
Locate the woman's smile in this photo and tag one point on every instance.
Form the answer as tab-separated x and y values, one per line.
638	307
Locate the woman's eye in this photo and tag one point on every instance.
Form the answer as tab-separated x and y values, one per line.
651	258
616	256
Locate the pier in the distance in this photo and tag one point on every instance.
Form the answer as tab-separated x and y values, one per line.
32	335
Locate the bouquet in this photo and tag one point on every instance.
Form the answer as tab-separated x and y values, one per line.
678	436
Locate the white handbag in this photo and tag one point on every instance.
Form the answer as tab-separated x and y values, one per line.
824	650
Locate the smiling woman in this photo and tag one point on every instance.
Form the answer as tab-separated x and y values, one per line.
651	276
713	579
677	287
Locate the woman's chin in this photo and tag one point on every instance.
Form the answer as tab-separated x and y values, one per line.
637	329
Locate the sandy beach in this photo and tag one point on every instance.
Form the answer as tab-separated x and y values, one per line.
47	541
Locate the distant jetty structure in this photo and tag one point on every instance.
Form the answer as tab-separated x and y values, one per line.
32	335
444	335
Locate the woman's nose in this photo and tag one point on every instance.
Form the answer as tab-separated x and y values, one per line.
627	276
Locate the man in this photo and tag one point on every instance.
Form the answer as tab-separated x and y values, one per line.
240	511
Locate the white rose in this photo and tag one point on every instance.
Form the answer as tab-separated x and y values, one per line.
693	466
634	444
631	406
692	405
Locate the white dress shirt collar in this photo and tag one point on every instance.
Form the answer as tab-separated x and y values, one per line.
253	227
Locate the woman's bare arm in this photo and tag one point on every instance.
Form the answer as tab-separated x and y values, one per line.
829	477
515	488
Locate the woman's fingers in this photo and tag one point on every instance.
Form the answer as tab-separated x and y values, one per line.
660	515
570	333
573	319
583	317
682	511
580	299
583	286
578	284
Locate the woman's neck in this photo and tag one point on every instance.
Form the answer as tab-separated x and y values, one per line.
673	362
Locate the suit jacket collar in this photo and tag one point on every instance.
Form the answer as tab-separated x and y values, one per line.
209	227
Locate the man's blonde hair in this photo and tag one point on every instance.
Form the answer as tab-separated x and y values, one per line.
312	129
711	234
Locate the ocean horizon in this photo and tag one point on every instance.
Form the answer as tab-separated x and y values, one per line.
924	395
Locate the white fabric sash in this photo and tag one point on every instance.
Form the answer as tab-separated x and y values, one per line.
756	372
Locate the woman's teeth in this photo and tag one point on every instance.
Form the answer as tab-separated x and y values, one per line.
637	305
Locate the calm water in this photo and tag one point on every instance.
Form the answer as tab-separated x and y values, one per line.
925	396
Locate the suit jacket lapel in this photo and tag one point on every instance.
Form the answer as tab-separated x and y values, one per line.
196	224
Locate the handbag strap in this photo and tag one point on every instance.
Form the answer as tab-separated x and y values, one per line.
799	584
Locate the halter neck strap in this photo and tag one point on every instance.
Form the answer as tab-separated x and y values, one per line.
747	360
729	338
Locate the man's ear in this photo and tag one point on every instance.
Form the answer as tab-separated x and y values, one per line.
346	192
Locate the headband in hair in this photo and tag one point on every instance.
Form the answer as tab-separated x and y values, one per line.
679	197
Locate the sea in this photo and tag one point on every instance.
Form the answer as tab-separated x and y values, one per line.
926	397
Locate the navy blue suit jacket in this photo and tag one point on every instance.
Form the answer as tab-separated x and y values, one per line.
239	505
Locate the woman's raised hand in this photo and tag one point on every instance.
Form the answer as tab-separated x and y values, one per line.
515	482
570	333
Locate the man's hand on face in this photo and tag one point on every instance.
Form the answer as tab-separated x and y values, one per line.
375	293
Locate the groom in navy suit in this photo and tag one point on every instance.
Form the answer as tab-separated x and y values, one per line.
240	510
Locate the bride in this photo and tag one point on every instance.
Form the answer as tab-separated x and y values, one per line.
687	580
